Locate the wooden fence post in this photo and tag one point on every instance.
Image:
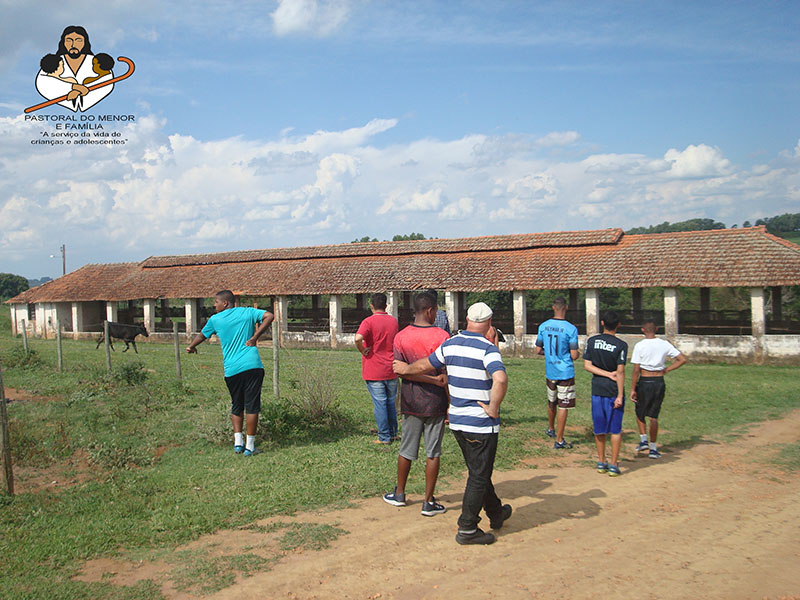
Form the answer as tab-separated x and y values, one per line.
58	346
25	336
108	345
177	351
276	345
4	438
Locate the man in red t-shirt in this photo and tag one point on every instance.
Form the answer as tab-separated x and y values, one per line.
374	340
423	402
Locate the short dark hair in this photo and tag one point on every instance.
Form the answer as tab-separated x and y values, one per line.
559	301
433	293
227	296
49	63
378	300
423	301
87	47
650	325
104	61
610	320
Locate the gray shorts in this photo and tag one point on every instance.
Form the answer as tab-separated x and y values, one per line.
432	428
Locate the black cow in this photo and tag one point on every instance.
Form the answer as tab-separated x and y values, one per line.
126	333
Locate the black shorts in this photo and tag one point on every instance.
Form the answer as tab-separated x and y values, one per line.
649	396
245	389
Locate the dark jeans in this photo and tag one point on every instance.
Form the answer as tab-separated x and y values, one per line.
479	450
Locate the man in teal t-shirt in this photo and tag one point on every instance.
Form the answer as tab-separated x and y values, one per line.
235	326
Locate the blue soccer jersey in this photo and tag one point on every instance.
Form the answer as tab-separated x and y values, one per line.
558	337
234	326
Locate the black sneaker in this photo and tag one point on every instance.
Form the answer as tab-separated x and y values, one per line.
497	522
563	444
476	537
394	498
551	433
432	508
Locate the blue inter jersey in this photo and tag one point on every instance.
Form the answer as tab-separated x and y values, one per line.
234	326
558	337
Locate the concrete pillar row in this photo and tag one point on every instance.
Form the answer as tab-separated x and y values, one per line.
392	302
757	311
520	317
190	310
592	311
282	316
112	311
149	310
453	309
671	325
335	317
77	319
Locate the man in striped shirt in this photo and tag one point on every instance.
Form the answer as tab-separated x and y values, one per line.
477	383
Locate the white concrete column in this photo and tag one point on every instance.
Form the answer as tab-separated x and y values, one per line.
758	312
112	313
592	312
13	309
670	312
149	314
520	316
392	303
77	319
282	316
190	311
453	308
335	318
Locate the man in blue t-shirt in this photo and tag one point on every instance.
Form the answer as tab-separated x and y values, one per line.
557	339
235	326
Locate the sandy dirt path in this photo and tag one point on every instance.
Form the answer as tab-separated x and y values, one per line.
712	521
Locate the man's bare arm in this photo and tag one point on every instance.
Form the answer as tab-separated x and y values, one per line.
679	361
360	345
620	385
266	320
198	339
587	364
440	380
637	369
415	368
574	353
499	388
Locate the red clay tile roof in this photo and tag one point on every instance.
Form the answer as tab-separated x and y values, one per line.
589	259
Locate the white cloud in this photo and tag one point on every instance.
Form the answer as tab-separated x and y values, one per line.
315	17
558	138
697	161
167	194
399	201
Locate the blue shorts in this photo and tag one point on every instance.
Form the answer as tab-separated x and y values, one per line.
605	417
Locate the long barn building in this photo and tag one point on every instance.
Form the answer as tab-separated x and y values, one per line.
578	263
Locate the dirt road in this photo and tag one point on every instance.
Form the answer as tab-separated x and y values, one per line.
712	521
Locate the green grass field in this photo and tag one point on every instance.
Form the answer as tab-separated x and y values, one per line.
161	470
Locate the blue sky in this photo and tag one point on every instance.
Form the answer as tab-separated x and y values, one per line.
271	124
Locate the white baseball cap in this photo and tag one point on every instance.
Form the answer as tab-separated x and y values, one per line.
479	312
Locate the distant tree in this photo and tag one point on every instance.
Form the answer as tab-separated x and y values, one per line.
11	285
366	238
408	237
785	223
40	281
690	225
746	224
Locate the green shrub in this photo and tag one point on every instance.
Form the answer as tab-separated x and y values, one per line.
131	373
17	357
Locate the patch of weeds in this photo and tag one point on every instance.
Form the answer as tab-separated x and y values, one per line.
130	373
120	454
788	457
82	396
17	357
309	536
198	573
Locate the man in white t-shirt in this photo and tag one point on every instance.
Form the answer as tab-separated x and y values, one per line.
649	360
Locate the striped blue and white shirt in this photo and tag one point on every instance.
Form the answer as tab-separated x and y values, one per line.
470	360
